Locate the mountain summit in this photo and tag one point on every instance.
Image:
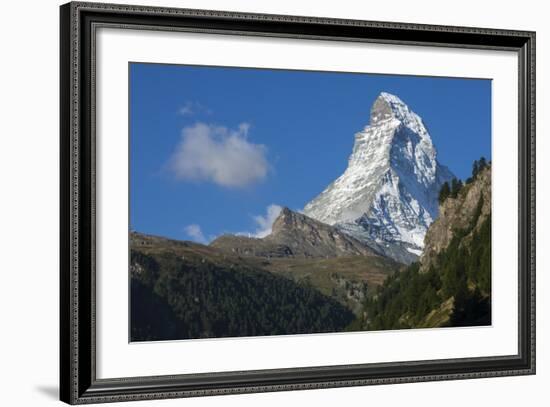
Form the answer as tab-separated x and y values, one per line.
388	195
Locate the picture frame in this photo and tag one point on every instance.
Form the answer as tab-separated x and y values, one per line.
79	382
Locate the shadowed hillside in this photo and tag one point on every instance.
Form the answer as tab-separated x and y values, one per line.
182	290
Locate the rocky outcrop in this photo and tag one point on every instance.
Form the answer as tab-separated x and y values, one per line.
295	234
309	237
458	213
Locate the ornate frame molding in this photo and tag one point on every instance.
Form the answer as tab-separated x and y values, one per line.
79	21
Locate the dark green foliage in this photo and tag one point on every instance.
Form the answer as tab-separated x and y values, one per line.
444	192
456	186
207	300
482	163
404	299
463	273
452	190
478	166
471	309
151	318
149	271
475	169
479	262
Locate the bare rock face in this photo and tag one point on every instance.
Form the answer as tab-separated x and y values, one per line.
309	237
457	213
294	234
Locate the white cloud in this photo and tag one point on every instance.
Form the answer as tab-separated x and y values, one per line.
194	231
191	108
265	222
186	110
220	155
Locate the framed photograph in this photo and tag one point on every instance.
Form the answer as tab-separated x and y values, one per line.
254	203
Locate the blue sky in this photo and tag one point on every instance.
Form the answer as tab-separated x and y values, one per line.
213	149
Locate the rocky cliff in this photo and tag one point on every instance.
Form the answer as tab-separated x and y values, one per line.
473	203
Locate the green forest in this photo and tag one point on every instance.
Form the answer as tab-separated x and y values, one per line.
175	299
464	274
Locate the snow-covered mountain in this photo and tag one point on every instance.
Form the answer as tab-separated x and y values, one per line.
388	195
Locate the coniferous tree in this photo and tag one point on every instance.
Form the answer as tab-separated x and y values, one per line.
475	169
482	163
444	192
456	186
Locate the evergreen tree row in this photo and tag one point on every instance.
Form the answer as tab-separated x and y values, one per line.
451	190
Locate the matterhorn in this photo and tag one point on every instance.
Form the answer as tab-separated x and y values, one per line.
388	195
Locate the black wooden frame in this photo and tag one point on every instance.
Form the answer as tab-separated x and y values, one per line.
78	382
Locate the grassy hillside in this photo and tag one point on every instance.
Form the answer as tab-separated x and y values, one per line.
349	280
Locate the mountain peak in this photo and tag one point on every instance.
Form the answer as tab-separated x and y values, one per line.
285	219
388	106
388	192
381	109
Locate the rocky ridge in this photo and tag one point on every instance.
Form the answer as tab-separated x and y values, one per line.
295	235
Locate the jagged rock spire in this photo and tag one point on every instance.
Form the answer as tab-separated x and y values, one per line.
388	192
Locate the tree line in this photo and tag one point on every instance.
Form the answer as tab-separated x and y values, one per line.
451	190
